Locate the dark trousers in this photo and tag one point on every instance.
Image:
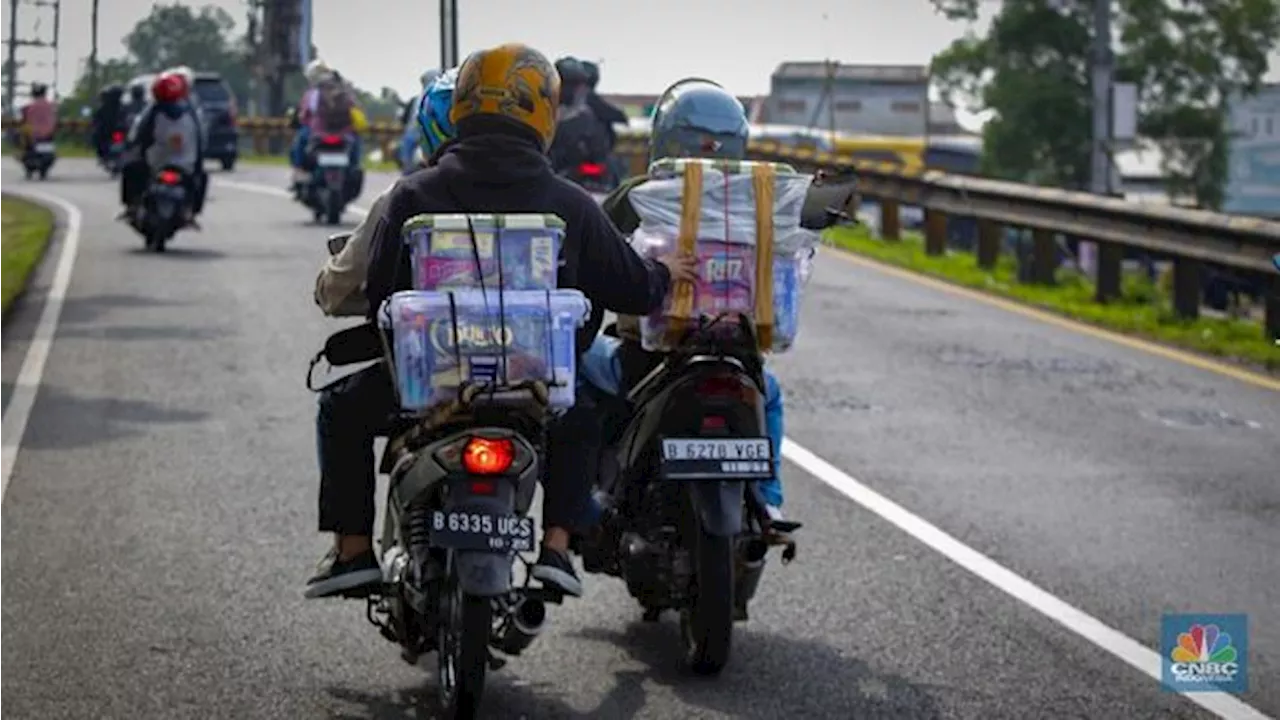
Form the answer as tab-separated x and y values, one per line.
354	411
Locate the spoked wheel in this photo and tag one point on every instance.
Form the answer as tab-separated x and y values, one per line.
463	656
706	625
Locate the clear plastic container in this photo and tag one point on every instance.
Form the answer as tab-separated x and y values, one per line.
433	360
444	257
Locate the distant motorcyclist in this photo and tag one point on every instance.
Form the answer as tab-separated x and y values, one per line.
606	113
325	108
166	134
580	137
135	104
108	118
408	119
39	118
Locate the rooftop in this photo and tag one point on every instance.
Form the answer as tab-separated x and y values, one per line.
874	73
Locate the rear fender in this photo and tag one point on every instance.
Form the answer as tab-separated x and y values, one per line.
718	505
483	574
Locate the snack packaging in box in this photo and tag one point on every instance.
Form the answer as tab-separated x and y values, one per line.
444	339
516	251
742	220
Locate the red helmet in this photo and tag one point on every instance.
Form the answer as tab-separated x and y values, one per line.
169	87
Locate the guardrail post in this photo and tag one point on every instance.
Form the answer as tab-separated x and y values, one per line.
1110	261
1044	257
1271	320
890	220
988	243
1186	288
935	232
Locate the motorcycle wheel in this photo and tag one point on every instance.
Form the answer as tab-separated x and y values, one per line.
156	240
333	211
706	625
462	639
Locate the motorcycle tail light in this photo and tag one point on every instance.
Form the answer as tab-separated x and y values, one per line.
592	170
169	177
485	456
117	137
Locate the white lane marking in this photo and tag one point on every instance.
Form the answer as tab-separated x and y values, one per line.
1128	650
1086	626
18	412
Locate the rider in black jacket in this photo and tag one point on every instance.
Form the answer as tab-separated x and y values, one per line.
498	165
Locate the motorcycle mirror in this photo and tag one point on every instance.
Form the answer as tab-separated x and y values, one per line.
337	242
827	199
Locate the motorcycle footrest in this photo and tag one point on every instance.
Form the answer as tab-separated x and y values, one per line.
547	595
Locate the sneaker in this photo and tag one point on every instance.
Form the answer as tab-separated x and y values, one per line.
555	568
345	577
780	523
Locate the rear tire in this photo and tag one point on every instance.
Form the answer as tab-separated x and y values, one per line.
462	639
229	163
333	213
706	626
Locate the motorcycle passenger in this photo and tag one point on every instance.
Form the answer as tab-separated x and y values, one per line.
579	137
39	118
693	118
606	113
504	109
166	134
325	107
108	118
136	103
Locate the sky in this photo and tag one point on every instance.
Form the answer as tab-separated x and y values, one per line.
642	45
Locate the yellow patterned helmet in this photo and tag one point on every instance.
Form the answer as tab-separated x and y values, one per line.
511	81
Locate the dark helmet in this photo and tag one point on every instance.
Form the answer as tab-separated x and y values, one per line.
571	71
39	90
592	71
698	118
111	92
138	92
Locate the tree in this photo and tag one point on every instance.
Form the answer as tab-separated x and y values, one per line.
1189	57
178	35
84	95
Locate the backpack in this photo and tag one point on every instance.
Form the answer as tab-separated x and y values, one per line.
333	106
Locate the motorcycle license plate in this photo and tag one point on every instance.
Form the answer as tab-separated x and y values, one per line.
472	529
716	458
332	160
44	147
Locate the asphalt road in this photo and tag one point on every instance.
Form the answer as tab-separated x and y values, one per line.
159	521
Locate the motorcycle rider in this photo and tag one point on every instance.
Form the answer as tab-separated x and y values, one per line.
136	103
693	118
39	118
505	106
579	137
408	118
108	118
167	133
606	113
325	107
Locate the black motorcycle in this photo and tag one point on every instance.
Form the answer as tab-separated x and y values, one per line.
594	177
462	480
684	523
112	161
38	158
332	182
162	210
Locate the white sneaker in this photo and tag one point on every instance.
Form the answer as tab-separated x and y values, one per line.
774	512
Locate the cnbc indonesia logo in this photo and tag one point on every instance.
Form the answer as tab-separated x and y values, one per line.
1204	655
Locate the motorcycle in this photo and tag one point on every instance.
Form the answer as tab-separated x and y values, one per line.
683	522
461	485
115	149
593	177
328	189
161	212
38	158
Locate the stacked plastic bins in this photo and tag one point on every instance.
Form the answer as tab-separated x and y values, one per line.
485	309
742	219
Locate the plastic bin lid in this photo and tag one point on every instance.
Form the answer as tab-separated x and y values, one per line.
458	221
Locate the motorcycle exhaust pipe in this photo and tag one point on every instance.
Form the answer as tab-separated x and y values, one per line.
524	624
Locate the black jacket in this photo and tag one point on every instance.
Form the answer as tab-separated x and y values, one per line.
608	115
496	173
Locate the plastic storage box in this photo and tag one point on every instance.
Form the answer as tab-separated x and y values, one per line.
435	354
444	256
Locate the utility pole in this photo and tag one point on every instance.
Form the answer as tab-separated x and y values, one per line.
1100	166
94	81
11	59
12	63
448	34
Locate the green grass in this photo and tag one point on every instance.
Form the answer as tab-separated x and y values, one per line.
1144	310
26	230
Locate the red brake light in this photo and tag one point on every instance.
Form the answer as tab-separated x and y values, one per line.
331	140
117	136
483	456
591	169
713	422
720	386
169	177
483	487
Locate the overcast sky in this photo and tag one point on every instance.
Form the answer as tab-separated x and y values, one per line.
643	44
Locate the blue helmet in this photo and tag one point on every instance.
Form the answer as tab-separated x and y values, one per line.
698	118
434	126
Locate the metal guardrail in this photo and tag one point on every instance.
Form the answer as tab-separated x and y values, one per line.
1191	238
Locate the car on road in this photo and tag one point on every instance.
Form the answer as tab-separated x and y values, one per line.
218	105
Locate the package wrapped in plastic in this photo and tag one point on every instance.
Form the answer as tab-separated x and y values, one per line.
516	251
441	340
742	220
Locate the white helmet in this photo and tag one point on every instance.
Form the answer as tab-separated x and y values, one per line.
429	77
187	73
316	69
